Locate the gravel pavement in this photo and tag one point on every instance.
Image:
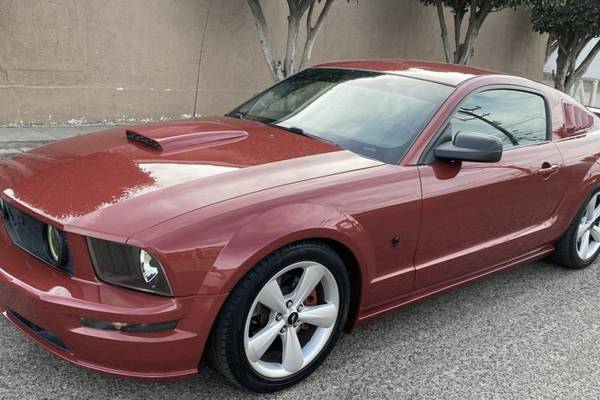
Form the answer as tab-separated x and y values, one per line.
532	332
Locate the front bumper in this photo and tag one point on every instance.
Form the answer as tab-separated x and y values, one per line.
46	303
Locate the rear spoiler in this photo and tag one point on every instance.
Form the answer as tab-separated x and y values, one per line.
595	110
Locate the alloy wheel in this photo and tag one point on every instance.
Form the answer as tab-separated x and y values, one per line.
291	320
588	232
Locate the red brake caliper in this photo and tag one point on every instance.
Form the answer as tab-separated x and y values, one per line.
311	300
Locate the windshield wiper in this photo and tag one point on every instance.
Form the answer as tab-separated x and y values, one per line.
294	129
237	114
302	132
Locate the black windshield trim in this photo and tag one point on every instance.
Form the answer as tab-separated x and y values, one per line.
391	73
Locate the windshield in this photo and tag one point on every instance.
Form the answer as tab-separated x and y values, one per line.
373	114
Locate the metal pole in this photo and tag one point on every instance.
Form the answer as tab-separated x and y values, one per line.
581	92
594	93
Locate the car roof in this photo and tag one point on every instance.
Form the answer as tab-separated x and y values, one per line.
447	74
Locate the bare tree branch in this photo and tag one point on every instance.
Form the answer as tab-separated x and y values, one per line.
313	31
585	64
477	12
551	47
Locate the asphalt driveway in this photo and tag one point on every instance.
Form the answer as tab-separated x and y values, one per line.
532	332
528	333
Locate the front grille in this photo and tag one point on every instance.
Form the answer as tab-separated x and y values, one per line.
39	331
27	232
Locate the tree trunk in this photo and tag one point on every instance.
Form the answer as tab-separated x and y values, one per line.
292	39
297	9
567	71
274	66
561	71
444	29
570	73
476	18
458	20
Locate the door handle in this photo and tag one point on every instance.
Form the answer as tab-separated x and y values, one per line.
548	170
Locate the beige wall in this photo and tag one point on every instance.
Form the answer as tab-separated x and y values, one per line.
131	60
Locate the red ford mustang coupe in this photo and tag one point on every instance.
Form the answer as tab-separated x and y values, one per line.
254	239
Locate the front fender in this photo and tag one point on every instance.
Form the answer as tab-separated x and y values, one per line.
287	224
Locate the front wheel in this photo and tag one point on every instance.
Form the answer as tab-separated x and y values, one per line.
579	246
282	320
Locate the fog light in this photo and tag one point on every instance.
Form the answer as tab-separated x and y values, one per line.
123	327
56	245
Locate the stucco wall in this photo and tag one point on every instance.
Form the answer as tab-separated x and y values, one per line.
121	60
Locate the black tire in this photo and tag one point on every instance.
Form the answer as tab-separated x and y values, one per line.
225	348
565	253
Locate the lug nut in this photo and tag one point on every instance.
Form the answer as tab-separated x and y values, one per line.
297	324
289	303
283	330
300	307
278	317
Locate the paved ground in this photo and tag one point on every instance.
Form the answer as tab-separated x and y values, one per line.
532	332
16	140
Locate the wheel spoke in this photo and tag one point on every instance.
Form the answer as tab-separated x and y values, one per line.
293	359
596	213
272	297
581	230
596	233
323	315
260	342
589	210
585	244
310	279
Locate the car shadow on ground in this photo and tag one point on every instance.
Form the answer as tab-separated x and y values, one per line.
512	334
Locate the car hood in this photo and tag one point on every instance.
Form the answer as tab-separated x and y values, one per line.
116	183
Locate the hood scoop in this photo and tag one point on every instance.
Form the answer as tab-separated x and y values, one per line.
137	137
184	136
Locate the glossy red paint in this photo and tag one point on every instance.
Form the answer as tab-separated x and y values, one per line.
223	193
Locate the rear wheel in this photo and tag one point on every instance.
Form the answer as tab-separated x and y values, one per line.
579	246
282	320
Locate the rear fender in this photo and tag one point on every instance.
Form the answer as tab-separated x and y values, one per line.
589	183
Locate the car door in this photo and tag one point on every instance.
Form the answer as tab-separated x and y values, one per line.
477	216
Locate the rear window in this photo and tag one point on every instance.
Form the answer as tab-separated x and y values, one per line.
373	114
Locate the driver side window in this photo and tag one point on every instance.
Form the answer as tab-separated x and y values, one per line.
515	117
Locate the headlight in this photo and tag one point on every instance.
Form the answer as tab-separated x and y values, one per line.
3	211
56	245
128	266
